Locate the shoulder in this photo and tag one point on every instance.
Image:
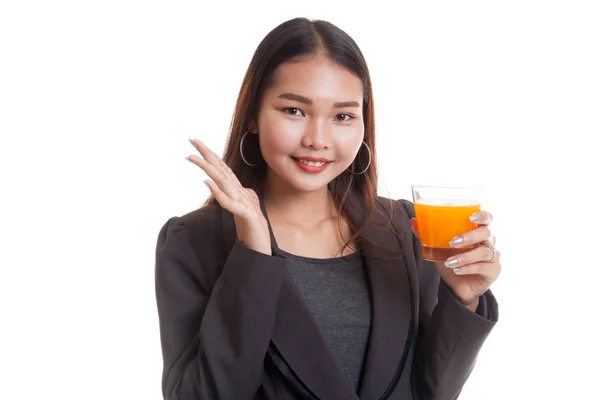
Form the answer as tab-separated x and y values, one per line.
192	245
398	213
205	221
399	210
201	229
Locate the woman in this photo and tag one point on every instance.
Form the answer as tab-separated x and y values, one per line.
295	280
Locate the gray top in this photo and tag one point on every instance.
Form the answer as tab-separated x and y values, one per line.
337	293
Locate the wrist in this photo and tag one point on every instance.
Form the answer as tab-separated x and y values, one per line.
472	305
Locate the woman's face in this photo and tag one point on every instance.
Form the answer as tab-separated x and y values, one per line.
310	123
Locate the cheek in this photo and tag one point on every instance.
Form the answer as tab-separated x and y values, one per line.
348	144
278	135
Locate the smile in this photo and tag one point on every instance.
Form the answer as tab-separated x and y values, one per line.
311	166
313	163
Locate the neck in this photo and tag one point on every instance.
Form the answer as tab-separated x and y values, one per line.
305	208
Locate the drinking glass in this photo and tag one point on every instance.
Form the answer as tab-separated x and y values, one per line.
443	213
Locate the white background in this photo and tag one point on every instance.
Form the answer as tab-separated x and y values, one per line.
97	100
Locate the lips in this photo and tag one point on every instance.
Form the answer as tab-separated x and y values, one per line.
311	164
313	159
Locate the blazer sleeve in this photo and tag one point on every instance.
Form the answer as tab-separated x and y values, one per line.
450	335
213	339
448	344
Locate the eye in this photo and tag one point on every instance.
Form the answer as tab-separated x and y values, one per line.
343	117
293	111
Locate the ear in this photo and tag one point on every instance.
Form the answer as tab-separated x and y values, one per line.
253	127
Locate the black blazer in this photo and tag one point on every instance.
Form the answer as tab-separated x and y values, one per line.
233	325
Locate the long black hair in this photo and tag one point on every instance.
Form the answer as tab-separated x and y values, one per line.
291	41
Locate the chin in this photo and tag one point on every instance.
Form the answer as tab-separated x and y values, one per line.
313	186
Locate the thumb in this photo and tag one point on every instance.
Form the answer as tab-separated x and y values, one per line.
414	227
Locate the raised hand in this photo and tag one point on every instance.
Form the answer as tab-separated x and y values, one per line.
250	224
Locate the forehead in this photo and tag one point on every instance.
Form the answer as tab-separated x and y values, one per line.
318	78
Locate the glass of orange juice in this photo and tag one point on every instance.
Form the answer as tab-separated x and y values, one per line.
442	214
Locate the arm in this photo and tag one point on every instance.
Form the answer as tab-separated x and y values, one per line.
450	334
213	339
449	341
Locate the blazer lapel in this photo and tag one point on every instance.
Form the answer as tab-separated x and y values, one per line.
298	339
392	318
301	351
297	345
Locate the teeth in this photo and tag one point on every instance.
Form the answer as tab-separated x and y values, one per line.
312	163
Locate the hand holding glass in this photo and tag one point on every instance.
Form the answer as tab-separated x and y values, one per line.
443	213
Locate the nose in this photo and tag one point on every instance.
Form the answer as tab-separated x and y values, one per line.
317	136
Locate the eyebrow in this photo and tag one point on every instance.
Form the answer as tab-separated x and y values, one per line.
305	100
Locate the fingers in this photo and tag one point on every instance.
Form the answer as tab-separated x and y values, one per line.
490	271
215	161
476	262
225	185
482	218
491	241
480	254
216	169
477	235
223	199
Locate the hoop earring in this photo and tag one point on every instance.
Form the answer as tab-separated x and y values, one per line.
368	165
242	151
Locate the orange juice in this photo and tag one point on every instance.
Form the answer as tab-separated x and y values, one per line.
439	221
